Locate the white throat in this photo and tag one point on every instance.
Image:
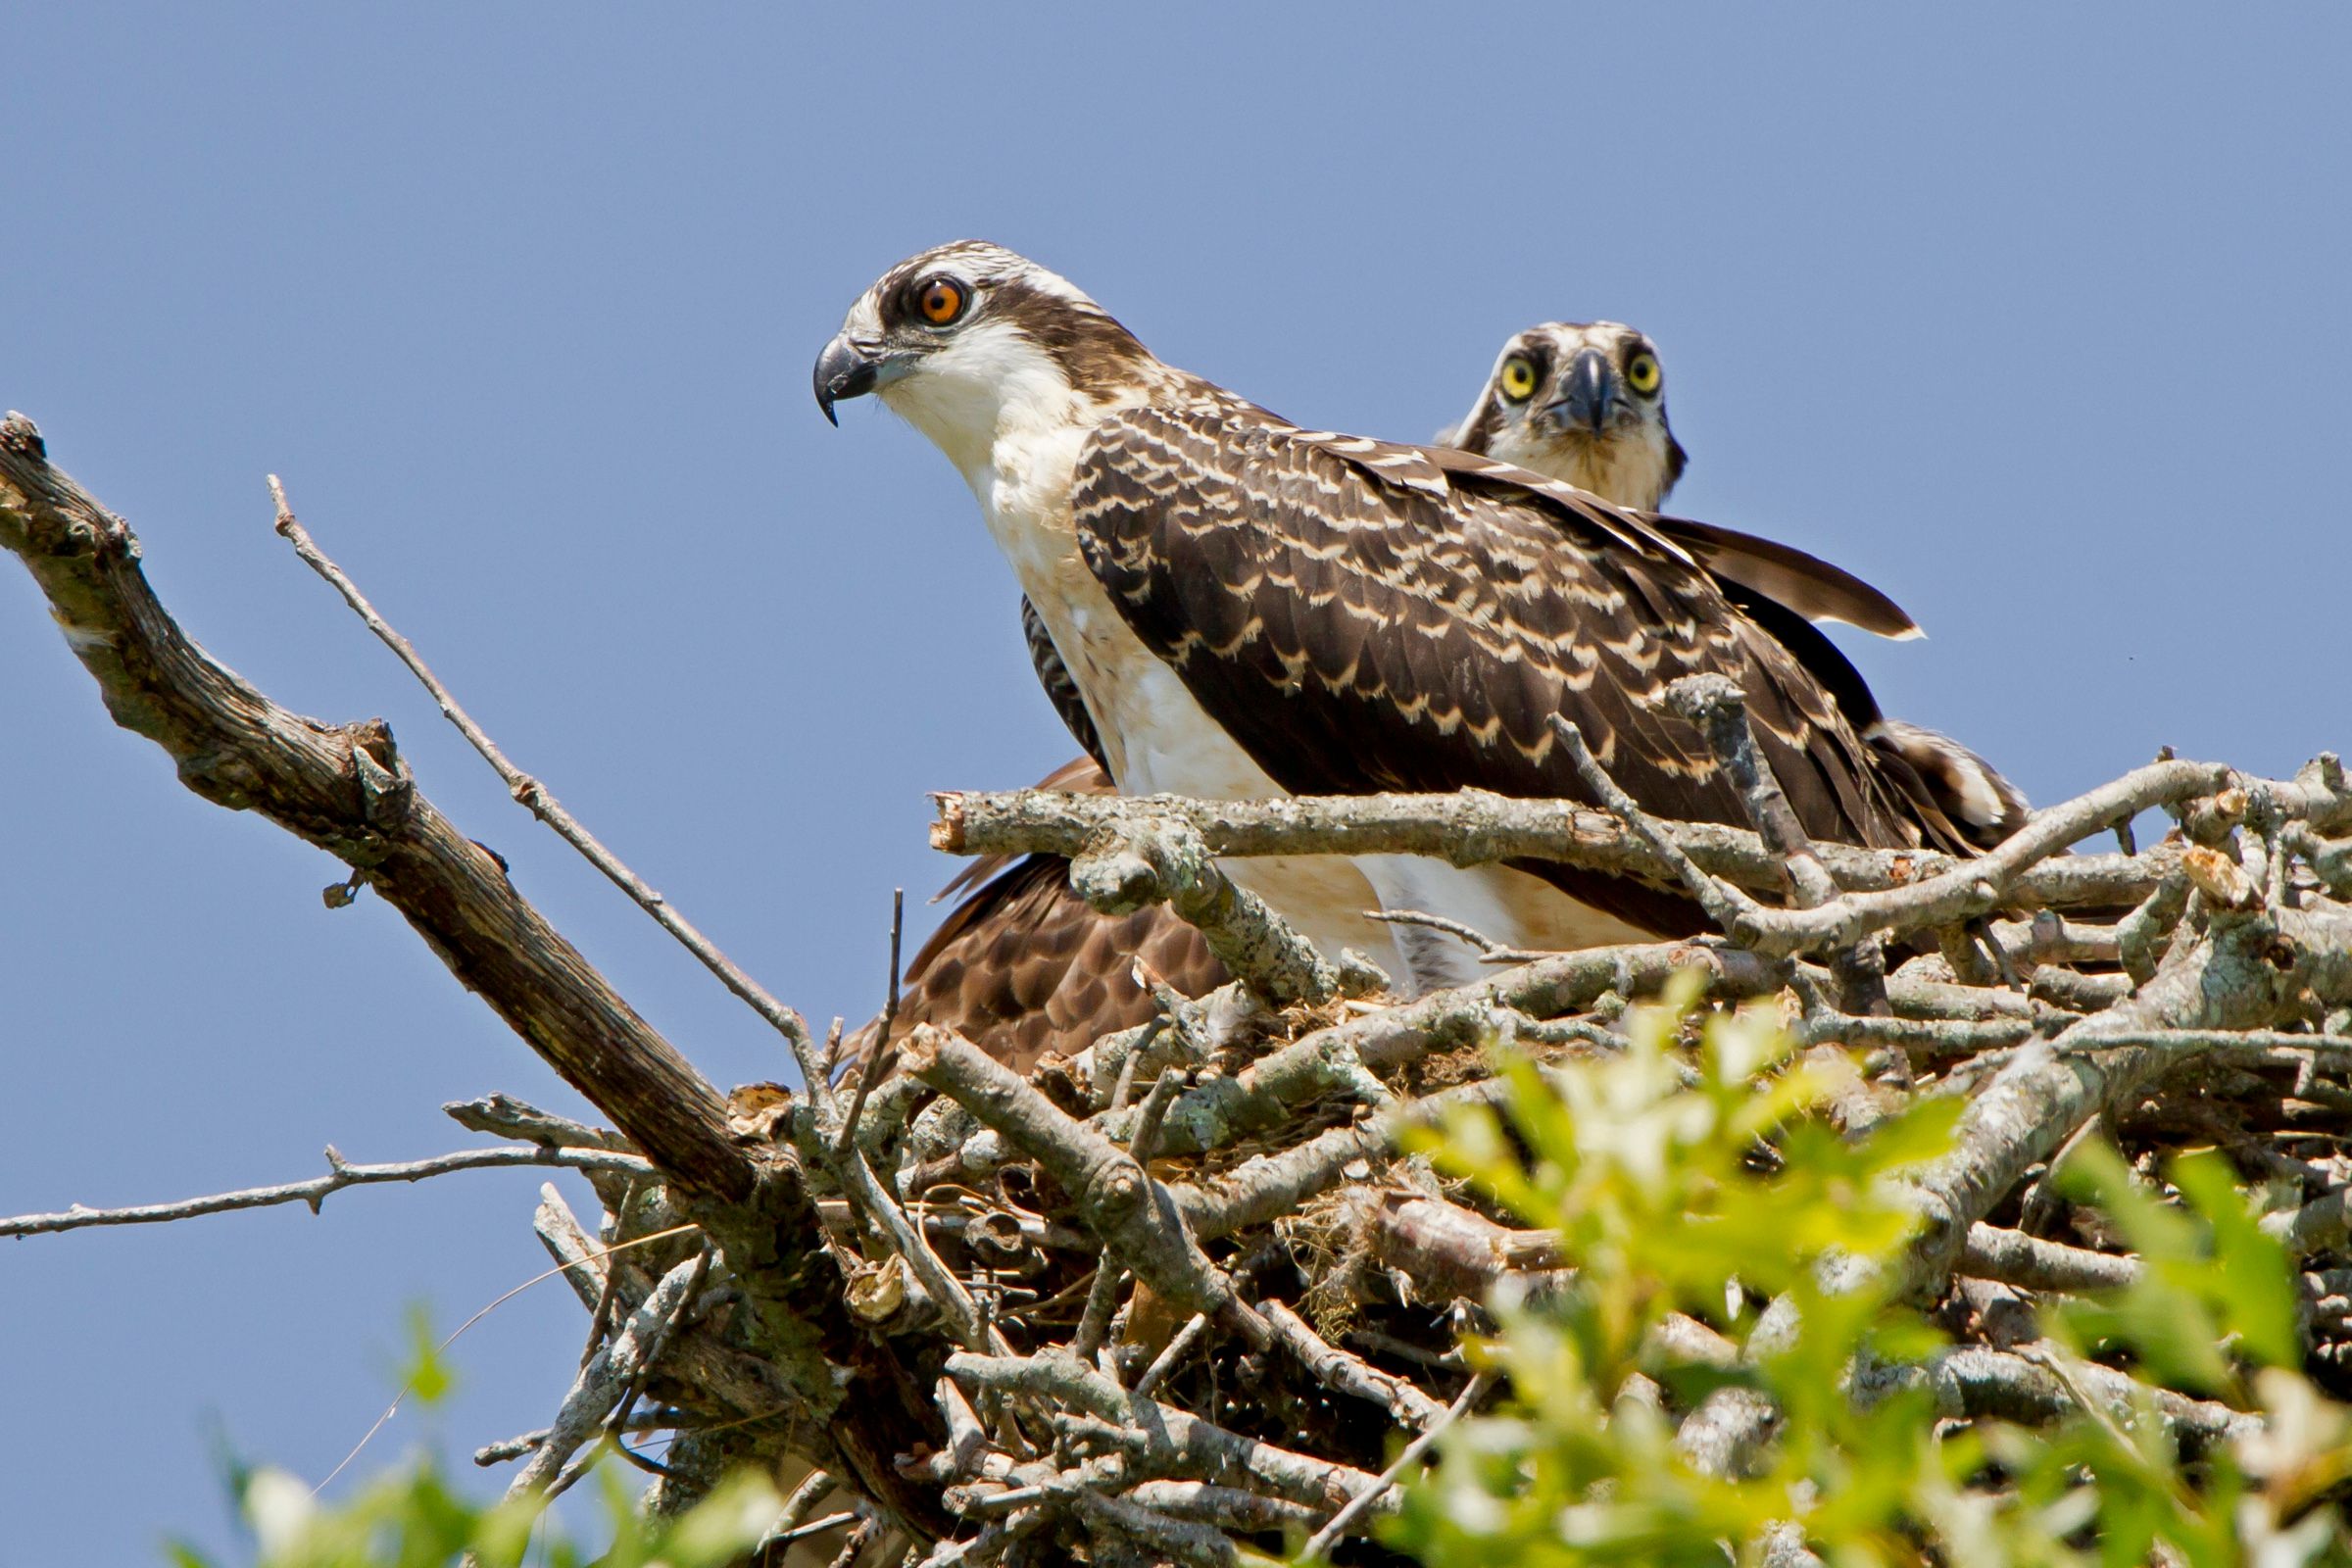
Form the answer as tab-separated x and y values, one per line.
1629	470
992	385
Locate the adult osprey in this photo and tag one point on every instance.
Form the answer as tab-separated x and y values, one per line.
1248	607
1022	964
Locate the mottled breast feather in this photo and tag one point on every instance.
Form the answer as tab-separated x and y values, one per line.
1362	616
1023	965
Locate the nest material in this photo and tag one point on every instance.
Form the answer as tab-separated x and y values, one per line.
1181	1294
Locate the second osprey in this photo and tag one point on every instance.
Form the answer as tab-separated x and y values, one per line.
1249	608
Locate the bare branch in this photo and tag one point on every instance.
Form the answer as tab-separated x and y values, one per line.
1473	827
1347	1373
603	1380
2245	972
1121	1202
1976	1380
718	1380
1149	860
346	790
884	1055
1718	710
532	795
1732	910
1173	1356
1336	1058
1169	1440
2321	1225
1353	1512
510	1449
341	1173
2028	1262
505	1116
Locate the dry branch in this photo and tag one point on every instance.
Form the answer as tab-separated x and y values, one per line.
530	793
341	1173
1473	827
604	1379
346	789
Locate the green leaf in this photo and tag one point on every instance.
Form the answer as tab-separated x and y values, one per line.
2250	1282
424	1373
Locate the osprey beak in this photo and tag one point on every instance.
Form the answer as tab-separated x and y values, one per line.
845	370
1587	392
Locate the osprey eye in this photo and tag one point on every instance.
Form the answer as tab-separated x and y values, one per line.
1518	378
941	301
1643	374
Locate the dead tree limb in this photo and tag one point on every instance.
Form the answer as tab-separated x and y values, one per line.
341	1173
346	789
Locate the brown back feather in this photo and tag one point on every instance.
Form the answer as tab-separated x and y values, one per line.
1357	627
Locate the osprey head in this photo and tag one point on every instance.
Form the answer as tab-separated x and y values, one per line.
1579	401
967	340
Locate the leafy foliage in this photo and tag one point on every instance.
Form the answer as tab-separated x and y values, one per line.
1725	1194
412	1518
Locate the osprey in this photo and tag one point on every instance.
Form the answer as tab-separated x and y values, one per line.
1248	608
1579	400
1022	964
1586	402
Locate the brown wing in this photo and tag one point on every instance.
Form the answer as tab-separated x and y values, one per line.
1062	690
1023	965
1362	617
1807	584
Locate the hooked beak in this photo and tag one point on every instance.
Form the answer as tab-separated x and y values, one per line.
845	370
1587	392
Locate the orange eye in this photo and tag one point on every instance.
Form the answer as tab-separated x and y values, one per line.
942	301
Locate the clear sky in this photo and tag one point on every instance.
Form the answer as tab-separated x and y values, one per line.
2036	319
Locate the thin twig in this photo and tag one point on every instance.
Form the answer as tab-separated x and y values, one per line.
1347	1372
814	1527
529	793
885	1052
1489	950
797	1508
1102	1297
606	1379
340	1174
664	1331
1732	910
864	1189
510	1449
1344	1522
1176	1351
599	1321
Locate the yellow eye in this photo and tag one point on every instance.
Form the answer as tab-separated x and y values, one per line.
941	301
1643	374
1518	378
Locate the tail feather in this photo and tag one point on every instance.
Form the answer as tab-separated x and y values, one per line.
1947	780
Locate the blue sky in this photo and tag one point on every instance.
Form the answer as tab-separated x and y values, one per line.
2036	319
